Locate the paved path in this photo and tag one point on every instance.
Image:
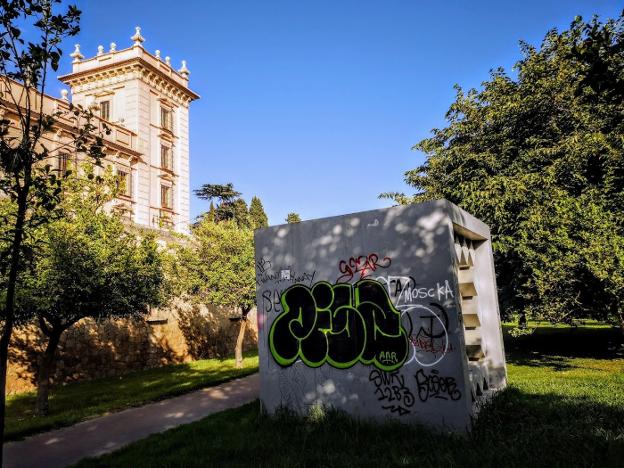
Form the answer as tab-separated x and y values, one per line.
107	433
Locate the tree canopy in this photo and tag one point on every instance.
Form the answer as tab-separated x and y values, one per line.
88	265
217	266
292	218
256	212
539	156
221	192
229	204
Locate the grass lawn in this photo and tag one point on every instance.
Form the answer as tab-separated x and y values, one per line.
564	406
78	401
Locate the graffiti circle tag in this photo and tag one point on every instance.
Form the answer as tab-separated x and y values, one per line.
341	325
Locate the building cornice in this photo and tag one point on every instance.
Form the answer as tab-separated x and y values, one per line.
149	73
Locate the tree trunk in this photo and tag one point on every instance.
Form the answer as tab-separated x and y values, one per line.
4	363
46	369
238	351
522	320
9	305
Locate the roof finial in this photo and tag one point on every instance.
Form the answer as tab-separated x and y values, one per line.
183	70
76	55
168	60
113	47
100	50
137	38
158	54
64	93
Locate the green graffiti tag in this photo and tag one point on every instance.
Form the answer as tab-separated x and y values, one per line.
341	325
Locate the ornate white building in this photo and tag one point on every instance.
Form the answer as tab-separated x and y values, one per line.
146	103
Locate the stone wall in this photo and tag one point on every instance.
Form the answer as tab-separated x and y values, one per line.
93	349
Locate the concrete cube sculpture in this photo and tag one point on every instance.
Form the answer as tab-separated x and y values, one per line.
385	313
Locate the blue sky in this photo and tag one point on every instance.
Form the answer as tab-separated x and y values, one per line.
314	105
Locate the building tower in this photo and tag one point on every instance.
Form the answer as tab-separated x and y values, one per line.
146	95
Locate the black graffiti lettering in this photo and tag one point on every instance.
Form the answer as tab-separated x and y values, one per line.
271	300
263	265
401	283
294	277
439	322
339	324
390	388
267	304
276	301
435	386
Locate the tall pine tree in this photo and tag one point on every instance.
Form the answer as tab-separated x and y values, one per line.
256	212
230	206
293	218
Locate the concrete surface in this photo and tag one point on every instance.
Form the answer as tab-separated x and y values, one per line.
105	434
389	313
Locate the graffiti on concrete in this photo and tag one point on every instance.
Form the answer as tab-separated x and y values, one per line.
271	300
404	290
436	386
263	265
341	325
363	266
391	390
427	323
428	333
271	295
265	274
285	276
435	347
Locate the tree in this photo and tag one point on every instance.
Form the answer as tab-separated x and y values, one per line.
540	158
224	195
25	178
212	213
89	266
230	206
241	213
292	218
256	212
218	269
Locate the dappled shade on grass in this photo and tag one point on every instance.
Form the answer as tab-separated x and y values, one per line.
519	429
78	401
548	341
566	411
